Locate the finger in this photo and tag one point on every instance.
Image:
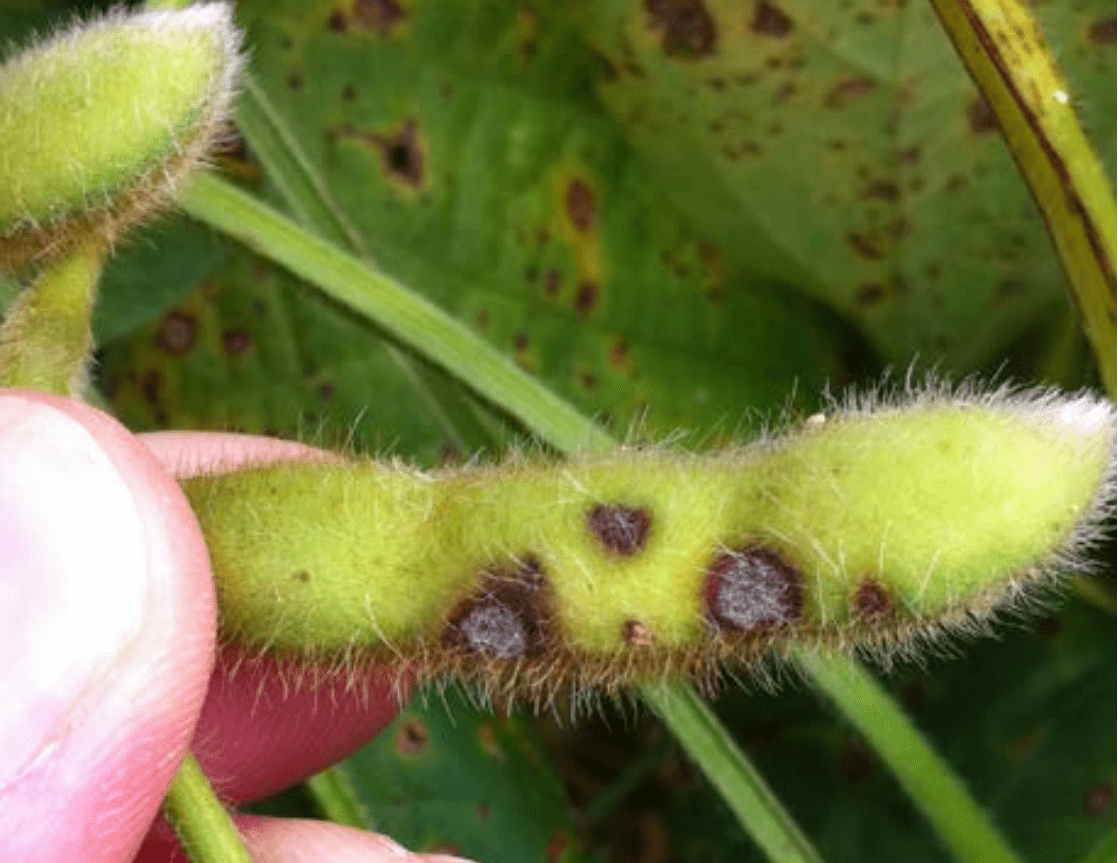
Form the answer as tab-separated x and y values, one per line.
106	627
264	727
296	840
292	840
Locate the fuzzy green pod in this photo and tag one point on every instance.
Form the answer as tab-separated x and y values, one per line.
99	122
885	523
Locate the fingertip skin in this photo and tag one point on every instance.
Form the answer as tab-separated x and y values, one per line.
112	636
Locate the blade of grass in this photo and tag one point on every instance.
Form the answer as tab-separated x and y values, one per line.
1005	53
204	828
308	197
407	317
931	784
285	164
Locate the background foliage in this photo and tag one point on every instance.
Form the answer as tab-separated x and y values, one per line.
683	216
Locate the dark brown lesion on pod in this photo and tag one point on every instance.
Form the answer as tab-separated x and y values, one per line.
752	589
622	530
871	600
636	634
509	617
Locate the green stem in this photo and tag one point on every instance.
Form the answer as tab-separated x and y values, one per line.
929	781
1005	53
727	768
204	828
337	801
406	316
45	340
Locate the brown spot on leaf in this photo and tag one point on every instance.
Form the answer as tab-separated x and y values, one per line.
619	354
687	30
520	342
636	634
848	89
509	617
909	155
883	190
784	92
295	80
581	205
768	20
586	298
411	737
622	530
382	16
870	294
149	386
326	391
871	600
866	245
177	333
301	575
1102	31
557	843
337	22
552	282
980	117
400	154
348	93
527	26
604	66
588	379
752	589
235	341
1099	799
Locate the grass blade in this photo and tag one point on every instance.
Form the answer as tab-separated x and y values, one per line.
931	784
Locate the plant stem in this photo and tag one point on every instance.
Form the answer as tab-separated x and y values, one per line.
336	799
205	830
931	784
45	340
1005	53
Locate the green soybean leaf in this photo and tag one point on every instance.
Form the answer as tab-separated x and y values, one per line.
444	777
843	148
